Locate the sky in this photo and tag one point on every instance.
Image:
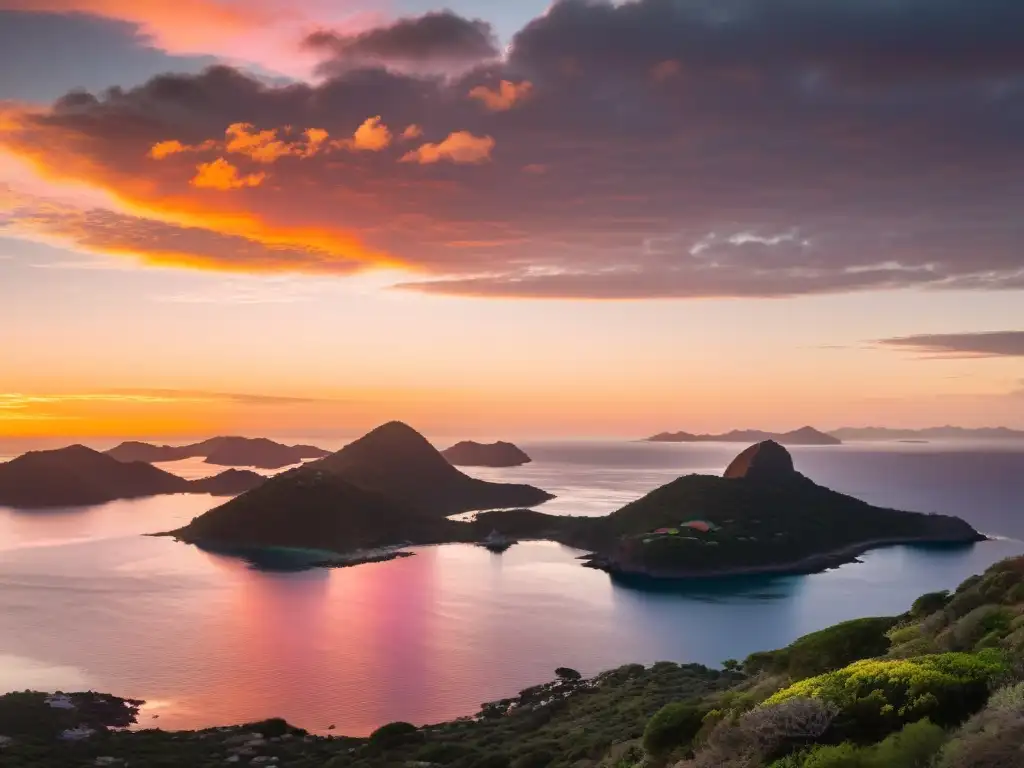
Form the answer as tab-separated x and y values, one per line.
497	219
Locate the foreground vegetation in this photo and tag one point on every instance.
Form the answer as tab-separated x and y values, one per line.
941	686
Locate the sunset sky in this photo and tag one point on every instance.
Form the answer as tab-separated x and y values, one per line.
509	219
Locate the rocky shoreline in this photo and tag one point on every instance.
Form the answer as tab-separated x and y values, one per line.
812	564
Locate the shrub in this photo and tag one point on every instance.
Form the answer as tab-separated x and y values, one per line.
793	722
674	725
538	758
844	755
878	696
494	760
995	740
979	622
928	604
901	635
444	752
828	649
913	747
394	734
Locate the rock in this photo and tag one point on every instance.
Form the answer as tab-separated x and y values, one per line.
763	461
107	760
79	733
5	741
263	760
233	759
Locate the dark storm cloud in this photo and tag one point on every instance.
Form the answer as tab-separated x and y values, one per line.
441	39
663	149
884	41
992	344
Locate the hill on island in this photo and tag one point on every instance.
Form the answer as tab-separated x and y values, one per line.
802	436
389	487
78	476
223	451
396	460
763	516
472	454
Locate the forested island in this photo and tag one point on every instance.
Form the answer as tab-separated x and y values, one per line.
228	451
392	488
938	686
78	476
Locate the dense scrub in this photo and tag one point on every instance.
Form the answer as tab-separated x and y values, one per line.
939	687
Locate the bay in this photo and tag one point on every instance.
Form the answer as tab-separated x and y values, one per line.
86	601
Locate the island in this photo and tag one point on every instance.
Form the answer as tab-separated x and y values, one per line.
472	454
257	452
930	433
802	436
389	488
392	489
78	476
230	482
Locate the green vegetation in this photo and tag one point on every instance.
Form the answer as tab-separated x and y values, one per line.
850	696
826	650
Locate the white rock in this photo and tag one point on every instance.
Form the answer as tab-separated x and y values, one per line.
5	740
77	734
59	701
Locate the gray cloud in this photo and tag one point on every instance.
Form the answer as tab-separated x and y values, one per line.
440	39
992	344
794	147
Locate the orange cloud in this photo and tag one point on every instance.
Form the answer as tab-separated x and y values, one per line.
412	132
504	97
164	149
261	146
222	175
371	136
315	138
460	147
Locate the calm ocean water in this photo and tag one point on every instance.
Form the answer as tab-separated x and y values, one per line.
87	602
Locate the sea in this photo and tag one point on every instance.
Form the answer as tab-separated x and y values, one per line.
89	602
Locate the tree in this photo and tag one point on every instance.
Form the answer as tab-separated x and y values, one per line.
674	725
568	673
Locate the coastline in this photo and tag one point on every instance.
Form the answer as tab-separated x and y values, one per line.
816	563
811	564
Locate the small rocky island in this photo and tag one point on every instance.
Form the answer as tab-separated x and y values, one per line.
392	489
802	436
78	476
223	451
472	454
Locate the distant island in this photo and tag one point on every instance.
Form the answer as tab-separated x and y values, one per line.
931	433
79	476
802	436
223	451
392	489
472	454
